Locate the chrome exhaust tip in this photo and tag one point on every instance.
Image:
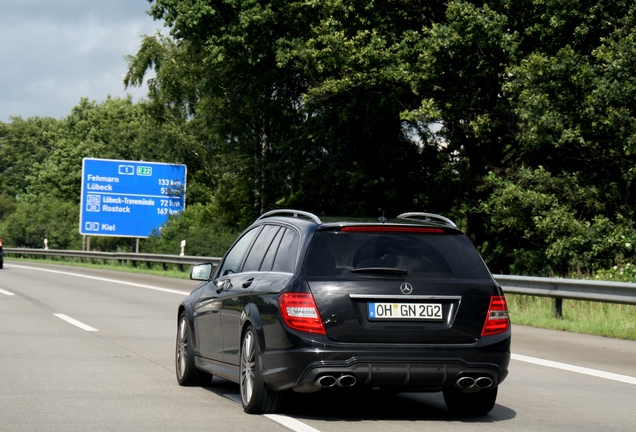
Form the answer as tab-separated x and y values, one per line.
326	381
484	382
346	381
465	382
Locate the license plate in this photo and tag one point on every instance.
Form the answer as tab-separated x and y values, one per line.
410	311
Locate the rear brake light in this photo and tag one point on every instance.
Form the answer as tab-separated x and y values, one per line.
392	229
300	312
497	320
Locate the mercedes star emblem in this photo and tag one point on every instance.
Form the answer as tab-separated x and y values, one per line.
406	288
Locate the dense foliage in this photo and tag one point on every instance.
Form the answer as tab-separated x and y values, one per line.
514	117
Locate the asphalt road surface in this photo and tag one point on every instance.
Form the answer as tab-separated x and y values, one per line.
93	350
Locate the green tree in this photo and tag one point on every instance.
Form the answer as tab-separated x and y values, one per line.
545	224
572	88
23	145
267	145
112	129
204	233
221	72
432	62
46	218
327	105
41	161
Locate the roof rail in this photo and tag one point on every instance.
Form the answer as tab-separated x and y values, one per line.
428	217
290	212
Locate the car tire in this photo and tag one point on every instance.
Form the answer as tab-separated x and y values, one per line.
187	373
256	396
470	404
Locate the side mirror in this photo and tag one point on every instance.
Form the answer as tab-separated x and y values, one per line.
201	272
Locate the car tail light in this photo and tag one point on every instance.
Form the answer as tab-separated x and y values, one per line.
392	229
300	312
497	320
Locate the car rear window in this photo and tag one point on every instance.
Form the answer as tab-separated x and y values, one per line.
337	254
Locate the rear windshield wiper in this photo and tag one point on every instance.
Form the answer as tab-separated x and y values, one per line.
383	270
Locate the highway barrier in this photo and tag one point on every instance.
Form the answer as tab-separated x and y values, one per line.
557	288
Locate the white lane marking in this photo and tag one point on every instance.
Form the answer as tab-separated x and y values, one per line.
76	323
150	287
288	422
291	423
578	369
7	293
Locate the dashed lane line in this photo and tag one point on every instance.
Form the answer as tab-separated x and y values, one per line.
288	422
75	322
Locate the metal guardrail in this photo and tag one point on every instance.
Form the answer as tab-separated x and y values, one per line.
574	289
119	256
559	289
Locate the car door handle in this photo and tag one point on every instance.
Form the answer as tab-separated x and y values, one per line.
248	282
224	286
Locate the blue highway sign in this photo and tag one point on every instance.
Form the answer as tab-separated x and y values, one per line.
129	198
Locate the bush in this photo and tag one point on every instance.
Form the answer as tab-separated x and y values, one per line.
205	235
36	219
551	224
622	272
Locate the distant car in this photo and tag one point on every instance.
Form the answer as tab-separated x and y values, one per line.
303	305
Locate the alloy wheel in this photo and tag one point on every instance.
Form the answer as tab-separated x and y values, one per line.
248	367
182	347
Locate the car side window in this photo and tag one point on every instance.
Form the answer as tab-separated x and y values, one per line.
285	260
260	247
235	255
268	261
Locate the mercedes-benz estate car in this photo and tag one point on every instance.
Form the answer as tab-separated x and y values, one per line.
298	304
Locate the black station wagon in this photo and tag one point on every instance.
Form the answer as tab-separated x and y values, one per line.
300	304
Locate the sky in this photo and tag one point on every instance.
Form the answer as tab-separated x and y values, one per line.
54	52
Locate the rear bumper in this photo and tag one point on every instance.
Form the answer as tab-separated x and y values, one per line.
398	367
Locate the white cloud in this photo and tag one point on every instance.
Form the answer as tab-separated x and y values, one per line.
55	52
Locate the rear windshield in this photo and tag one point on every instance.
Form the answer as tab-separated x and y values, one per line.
349	255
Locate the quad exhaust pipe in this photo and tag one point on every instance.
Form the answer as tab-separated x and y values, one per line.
467	382
348	380
340	381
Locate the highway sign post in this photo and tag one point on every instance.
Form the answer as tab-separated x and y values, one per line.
129	198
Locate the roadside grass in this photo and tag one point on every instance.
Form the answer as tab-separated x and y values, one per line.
601	319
